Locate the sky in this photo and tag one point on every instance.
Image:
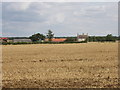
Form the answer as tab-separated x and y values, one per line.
63	18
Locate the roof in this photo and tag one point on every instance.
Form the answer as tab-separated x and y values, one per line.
4	38
82	36
57	39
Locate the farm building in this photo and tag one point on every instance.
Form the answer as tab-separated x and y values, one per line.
22	40
57	39
3	39
82	37
9	40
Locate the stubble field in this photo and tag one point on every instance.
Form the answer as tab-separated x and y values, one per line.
91	65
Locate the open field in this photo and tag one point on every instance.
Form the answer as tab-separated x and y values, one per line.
61	65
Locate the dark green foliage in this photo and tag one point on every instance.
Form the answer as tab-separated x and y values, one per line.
118	37
37	37
94	39
21	43
50	35
4	43
109	37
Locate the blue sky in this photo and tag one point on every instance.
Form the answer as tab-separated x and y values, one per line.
63	18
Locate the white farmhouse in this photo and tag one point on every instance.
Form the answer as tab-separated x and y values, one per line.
82	37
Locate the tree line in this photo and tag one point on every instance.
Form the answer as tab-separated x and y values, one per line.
50	35
107	38
39	37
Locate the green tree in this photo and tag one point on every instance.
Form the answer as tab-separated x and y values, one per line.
94	39
50	35
37	37
109	37
119	37
100	39
90	39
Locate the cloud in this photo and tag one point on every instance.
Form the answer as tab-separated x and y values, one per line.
22	6
24	19
60	17
55	19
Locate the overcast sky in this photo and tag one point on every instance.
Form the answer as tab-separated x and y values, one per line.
64	19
